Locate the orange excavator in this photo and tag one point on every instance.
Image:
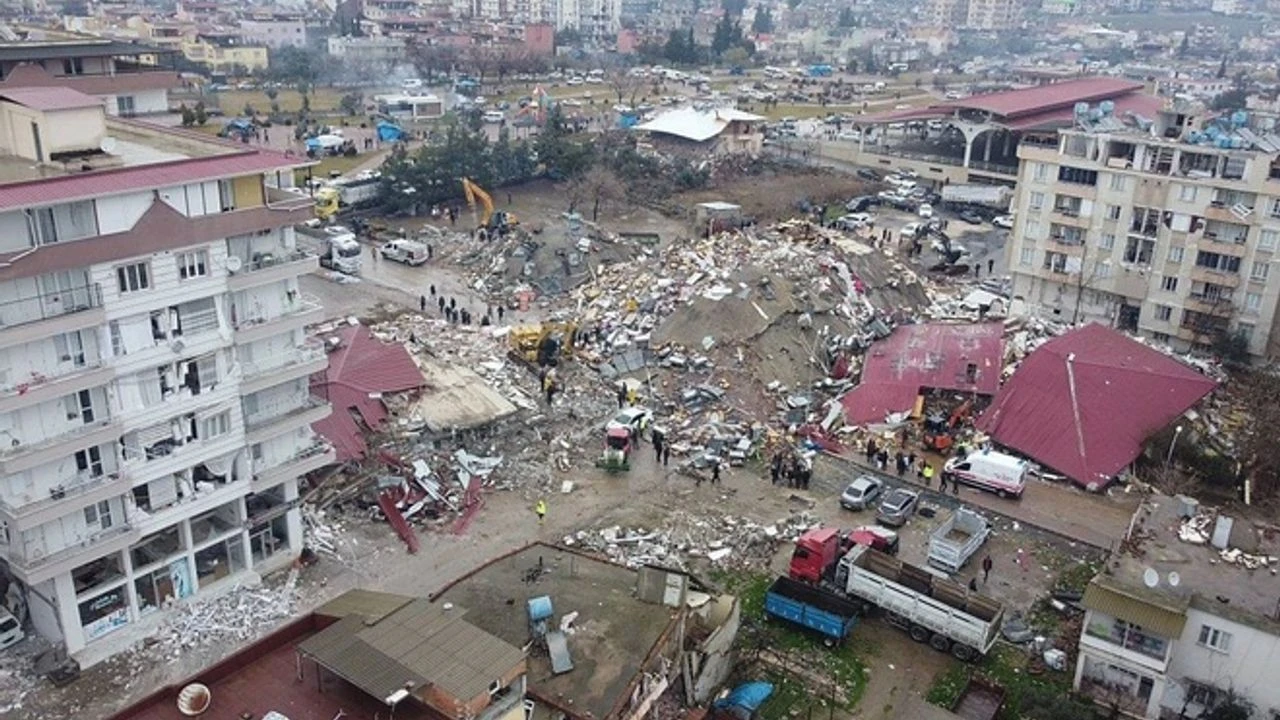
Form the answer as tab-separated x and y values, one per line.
499	221
939	431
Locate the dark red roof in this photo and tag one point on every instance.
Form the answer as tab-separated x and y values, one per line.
48	99
1058	99
1136	103
925	356
1083	403
360	367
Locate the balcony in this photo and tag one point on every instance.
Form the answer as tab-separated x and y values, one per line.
20	456
36	567
265	268
1218	305
307	460
286	199
26	513
301	314
40	388
1221	212
1213	276
301	361
200	502
41	316
262	428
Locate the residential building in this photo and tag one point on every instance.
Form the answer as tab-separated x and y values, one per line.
226	52
131	79
1165	228
274	32
974	14
154	401
372	49
1173	627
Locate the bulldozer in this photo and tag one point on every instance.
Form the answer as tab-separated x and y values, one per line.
492	221
616	456
541	345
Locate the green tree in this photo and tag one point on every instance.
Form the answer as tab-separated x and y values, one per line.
733	7
1233	99
558	151
736	55
763	22
727	34
352	103
568	37
847	18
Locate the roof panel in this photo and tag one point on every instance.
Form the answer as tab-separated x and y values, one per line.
48	99
32	52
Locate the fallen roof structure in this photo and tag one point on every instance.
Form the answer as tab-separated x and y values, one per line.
1083	403
697	125
456	398
960	357
361	369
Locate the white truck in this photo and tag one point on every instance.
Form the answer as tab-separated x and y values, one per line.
929	608
409	252
956	540
996	196
339	249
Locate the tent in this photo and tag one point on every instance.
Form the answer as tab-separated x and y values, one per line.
325	142
1085	402
389	132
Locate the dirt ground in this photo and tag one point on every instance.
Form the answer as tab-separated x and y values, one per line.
773	196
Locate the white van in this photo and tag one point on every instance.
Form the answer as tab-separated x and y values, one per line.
409	252
10	629
1004	475
494	116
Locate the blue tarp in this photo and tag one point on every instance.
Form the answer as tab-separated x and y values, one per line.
389	132
748	696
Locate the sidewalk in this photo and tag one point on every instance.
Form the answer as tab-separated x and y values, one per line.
1096	520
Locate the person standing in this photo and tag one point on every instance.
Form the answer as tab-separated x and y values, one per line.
422	303
622	395
928	475
500	312
540	509
666	454
715	473
991	266
440	302
775	468
986	569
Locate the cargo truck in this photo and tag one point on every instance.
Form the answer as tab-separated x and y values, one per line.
831	615
817	551
339	249
929	608
956	540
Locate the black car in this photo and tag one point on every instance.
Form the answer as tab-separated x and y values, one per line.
971	217
867	174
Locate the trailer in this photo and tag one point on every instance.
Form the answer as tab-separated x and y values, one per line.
956	540
930	608
795	602
992	196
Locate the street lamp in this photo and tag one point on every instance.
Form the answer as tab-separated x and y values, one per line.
1168	458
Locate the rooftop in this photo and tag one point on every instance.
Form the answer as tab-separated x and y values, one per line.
697	125
86	47
1204	578
613	633
50	99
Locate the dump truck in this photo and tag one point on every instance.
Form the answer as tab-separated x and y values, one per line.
339	248
929	608
953	542
832	616
345	194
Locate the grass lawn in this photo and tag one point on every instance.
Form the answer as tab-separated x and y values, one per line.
323	99
1027	696
340	163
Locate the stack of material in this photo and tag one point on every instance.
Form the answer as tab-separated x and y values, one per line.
236	617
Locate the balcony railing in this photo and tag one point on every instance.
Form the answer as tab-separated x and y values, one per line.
297	308
262	420
17	448
265	260
70	490
1133	640
308	352
282	199
38	380
45	306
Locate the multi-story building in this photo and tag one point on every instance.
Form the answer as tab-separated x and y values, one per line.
155	413
1171	629
132	79
974	14
371	49
274	32
226	52
1155	227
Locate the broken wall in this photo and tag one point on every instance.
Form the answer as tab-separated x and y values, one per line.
713	660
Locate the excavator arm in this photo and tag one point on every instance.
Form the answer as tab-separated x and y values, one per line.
474	192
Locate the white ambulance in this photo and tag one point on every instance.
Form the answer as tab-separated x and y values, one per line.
1004	475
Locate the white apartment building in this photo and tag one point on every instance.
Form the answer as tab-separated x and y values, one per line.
154	404
974	14
1164	231
1170	630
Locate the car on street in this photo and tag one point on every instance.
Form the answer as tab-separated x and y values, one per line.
861	493
1004	221
867	174
630	418
852	221
925	210
970	217
909	230
897	507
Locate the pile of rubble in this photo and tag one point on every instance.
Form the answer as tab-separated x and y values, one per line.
724	540
240	615
1204	528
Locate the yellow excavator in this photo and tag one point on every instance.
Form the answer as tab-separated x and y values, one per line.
542	345
493	220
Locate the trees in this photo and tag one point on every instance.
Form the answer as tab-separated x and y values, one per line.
432	60
763	22
352	103
847	18
680	48
1233	99
623	84
733	7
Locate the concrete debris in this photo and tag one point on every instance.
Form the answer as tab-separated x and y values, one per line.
241	614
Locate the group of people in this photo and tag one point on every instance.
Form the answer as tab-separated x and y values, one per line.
790	469
456	315
661	449
903	463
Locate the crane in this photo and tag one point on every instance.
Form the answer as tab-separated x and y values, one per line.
499	221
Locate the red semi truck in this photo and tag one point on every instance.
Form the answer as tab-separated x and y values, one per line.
818	550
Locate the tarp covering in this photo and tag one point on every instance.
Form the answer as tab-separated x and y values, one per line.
389	132
1084	403
748	696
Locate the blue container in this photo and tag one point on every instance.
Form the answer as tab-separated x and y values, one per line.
540	608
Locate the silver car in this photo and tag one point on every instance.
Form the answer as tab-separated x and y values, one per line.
861	493
898	505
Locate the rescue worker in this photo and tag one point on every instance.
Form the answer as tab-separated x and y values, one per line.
541	510
928	475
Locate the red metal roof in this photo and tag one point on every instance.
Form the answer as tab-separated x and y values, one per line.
48	99
1012	105
1137	103
361	366
1083	403
925	356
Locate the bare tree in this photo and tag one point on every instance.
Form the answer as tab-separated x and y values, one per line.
432	60
599	186
624	85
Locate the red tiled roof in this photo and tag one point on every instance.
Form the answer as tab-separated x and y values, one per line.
1083	403
925	356
1013	104
362	366
47	99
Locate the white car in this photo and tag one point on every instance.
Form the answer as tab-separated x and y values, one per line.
494	116
925	210
910	229
630	418
570	102
575	81
1003	221
853	135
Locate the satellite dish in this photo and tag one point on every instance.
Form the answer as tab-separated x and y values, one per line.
108	145
1174	579
234	263
1150	578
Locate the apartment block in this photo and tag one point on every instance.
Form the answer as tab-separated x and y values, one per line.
131	79
155	410
1168	230
1172	630
974	14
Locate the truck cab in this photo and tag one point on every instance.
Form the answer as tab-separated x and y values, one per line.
819	550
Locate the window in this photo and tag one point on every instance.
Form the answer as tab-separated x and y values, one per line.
1102	269
1268	240
1108	241
1164	313
1113	212
125	106
1032	229
1175	254
1138	250
1040	172
1118	182
1214	638
1187	193
1169	284
132	278
193	264
1077	176
1252	302
1246	331
98	516
1260	270
1160	337
1035	200
216	425
1275	208
1200	694
1027	257
89	461
1217	262
1055	262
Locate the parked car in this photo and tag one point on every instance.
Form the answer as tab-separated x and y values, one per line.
860	203
970	217
925	210
861	493
909	230
897	507
10	629
1003	221
630	418
867	173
